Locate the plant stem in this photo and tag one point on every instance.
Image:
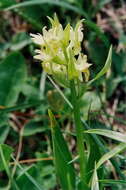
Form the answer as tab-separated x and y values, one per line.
79	133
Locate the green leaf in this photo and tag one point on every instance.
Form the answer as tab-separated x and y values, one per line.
5	155
94	181
108	133
4	130
105	68
12	76
33	127
110	154
112	181
62	156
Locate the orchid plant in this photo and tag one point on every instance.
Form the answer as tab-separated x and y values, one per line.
61	55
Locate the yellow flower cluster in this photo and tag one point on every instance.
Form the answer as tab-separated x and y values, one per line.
60	51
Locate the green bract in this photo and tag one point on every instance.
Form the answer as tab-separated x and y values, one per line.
60	51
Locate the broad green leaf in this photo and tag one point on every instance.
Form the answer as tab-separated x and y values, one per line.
5	155
12	76
65	172
94	181
105	68
110	154
33	127
108	133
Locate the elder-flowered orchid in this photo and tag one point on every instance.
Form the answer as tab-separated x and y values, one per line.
60	51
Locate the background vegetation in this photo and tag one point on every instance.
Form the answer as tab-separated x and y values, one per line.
26	93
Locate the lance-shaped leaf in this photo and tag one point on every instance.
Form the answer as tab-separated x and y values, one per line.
105	68
65	172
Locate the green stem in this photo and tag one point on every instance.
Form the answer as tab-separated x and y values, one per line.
79	133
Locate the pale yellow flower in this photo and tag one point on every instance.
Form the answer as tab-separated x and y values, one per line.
59	48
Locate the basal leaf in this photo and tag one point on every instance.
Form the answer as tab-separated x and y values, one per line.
62	156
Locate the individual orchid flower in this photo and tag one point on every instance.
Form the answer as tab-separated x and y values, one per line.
82	66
